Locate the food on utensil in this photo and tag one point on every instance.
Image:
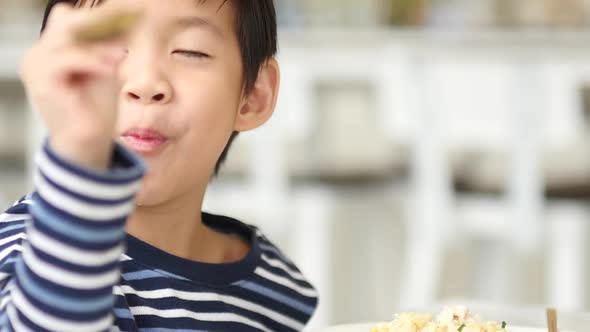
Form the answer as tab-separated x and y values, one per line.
107	28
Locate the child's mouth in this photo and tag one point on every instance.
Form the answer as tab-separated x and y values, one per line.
143	140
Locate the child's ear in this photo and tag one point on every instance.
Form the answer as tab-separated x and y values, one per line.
259	105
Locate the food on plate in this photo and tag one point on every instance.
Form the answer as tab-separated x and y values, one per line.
452	319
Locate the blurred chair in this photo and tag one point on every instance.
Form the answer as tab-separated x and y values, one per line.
440	216
331	120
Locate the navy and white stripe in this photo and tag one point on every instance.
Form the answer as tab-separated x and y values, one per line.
63	264
60	280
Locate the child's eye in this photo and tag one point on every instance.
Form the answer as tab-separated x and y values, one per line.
192	54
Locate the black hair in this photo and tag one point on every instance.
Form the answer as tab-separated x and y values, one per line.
256	27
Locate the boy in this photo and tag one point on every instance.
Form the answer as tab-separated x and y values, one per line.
106	244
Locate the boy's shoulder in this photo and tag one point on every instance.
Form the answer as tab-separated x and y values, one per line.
270	253
279	278
12	229
276	268
15	216
20	207
12	220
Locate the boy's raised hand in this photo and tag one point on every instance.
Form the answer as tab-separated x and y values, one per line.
72	80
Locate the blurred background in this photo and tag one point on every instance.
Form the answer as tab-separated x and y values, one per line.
424	152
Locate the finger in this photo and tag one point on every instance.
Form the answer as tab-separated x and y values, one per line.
109	53
60	14
79	65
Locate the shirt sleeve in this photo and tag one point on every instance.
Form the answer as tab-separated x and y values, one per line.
69	261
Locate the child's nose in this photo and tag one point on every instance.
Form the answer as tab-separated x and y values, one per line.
149	93
157	98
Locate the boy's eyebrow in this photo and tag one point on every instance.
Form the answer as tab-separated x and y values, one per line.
197	21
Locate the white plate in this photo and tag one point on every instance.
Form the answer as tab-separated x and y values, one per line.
366	327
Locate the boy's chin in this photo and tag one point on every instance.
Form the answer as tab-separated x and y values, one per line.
146	197
143	202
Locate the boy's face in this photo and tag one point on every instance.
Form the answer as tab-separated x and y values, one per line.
183	78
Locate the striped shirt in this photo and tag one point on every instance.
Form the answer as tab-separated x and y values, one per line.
67	264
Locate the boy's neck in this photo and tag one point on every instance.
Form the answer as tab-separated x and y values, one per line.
176	227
